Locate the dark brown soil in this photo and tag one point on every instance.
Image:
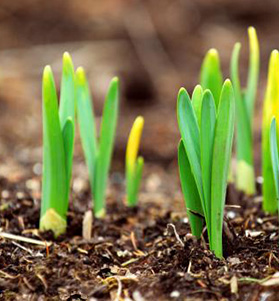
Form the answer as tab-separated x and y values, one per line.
135	254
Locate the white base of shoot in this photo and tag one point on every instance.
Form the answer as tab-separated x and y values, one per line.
245	177
53	221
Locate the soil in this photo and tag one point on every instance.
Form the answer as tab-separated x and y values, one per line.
142	253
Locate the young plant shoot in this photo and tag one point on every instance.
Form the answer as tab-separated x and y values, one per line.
98	152
206	127
274	157
58	145
211	77
134	164
245	102
270	110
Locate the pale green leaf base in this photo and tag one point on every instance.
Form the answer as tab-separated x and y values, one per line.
245	177
51	220
101	213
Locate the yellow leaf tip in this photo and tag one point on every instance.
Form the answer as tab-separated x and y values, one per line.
182	90
140	120
67	59
115	81
251	29
47	69
213	53
80	74
274	52
47	74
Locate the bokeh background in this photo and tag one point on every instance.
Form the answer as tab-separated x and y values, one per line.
155	47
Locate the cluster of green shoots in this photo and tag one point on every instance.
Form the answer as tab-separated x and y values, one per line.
206	123
206	126
211	78
58	145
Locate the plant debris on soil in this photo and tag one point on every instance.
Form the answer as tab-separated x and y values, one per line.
144	253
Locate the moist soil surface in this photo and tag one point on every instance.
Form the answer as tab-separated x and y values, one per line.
143	253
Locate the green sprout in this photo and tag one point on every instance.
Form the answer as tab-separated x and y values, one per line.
211	74
211	78
58	145
270	110
134	164
274	157
245	103
98	152
204	154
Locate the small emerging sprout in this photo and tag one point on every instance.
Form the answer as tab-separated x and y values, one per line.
270	110
98	152
204	154
58	145
134	164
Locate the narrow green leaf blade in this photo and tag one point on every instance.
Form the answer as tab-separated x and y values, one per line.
208	120
245	179
68	139
274	156
211	74
107	135
270	110
86	123
221	159
67	94
197	102
253	74
190	192
190	134
54	191
135	183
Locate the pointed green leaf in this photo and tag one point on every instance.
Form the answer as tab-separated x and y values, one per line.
54	194
220	165
189	131
253	74
67	94
245	179
135	183
86	123
107	135
274	156
197	102
208	120
270	110
68	140
190	192
211	75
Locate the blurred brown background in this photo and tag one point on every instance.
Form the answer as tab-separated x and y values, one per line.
155	47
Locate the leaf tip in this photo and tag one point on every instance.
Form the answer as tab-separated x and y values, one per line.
80	75
67	62
213	52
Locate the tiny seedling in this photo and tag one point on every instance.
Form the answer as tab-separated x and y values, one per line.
245	103
274	157
270	110
98	152
134	164
58	145
206	127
